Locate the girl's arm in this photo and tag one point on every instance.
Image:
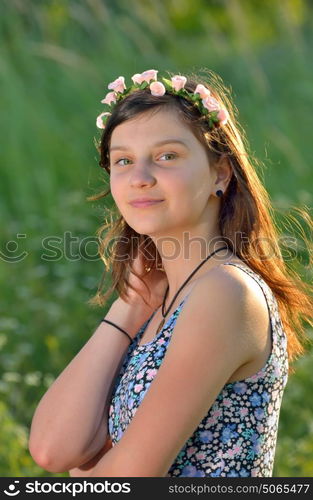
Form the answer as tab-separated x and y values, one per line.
69	425
87	469
223	326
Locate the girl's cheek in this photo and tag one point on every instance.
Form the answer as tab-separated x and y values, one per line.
114	194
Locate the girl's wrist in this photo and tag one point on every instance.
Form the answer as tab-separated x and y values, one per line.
130	317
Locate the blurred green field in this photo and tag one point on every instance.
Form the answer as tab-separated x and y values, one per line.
56	59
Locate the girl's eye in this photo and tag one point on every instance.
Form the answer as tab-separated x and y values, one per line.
169	154
118	161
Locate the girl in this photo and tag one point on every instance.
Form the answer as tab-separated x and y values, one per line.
185	374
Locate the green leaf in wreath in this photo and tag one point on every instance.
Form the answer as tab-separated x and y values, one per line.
167	82
143	85
189	94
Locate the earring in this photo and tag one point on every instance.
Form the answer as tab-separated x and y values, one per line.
219	193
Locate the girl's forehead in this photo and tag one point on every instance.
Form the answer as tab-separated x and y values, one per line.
162	123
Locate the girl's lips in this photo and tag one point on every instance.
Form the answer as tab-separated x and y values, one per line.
142	204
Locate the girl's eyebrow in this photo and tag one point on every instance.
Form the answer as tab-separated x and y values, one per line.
160	143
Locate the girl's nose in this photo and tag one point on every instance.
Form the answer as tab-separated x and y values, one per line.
142	176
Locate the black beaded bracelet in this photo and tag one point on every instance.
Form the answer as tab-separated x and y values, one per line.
118	327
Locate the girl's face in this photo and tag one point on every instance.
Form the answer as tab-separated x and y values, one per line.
156	156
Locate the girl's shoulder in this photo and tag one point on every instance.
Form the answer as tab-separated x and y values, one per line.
240	272
257	300
253	282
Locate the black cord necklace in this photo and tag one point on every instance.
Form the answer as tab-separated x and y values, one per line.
164	313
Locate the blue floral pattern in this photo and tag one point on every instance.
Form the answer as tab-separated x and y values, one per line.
237	437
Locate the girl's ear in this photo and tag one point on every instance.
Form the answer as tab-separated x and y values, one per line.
223	169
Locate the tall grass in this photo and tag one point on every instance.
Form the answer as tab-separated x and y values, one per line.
56	58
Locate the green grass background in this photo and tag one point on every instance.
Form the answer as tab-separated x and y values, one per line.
56	59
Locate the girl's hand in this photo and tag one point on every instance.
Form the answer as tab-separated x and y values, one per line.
156	281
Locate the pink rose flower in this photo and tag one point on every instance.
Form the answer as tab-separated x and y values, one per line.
157	89
211	104
203	91
137	78
178	82
223	116
99	121
148	75
109	98
118	85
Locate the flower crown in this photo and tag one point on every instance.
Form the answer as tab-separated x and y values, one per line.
201	97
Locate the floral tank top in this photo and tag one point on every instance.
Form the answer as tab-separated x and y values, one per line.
237	437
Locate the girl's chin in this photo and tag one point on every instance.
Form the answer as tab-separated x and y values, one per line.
148	229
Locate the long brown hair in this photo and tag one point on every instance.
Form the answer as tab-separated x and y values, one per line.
246	217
